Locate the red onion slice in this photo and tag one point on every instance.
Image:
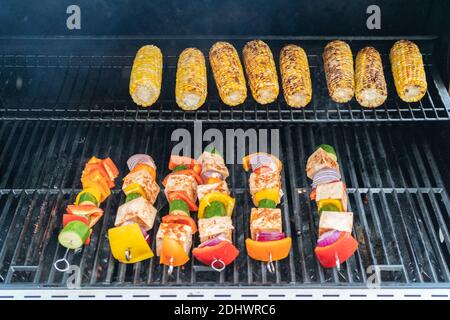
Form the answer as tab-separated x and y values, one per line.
213	242
134	160
270	236
326	175
211	174
262	160
328	238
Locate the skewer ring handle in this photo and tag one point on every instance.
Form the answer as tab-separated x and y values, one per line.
64	264
219	268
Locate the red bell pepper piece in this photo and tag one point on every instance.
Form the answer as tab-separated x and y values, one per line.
181	220
312	195
181	196
225	251
338	252
72	217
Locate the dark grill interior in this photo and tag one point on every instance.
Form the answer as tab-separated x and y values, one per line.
95	87
395	188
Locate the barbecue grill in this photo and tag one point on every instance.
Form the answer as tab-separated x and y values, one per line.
64	97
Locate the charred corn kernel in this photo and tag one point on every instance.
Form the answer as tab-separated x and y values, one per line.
338	64
146	76
191	83
261	71
408	71
228	73
370	85
295	76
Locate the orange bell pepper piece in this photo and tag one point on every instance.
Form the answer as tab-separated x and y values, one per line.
172	253
110	168
91	167
262	250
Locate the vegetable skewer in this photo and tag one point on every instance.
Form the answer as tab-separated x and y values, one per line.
335	244
129	240
174	237
268	243
97	179
214	214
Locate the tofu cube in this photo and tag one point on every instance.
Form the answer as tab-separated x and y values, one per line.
204	189
333	190
332	220
145	180
138	210
212	227
175	231
182	183
318	160
265	220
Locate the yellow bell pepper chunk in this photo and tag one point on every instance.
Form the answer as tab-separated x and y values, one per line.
269	194
129	239
225	199
135	188
335	202
92	191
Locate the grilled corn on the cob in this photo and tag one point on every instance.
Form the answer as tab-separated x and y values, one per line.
146	76
338	63
370	85
295	76
191	83
408	71
261	71
228	73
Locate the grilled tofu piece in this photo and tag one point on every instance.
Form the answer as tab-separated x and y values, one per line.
264	180
146	76
191	80
210	228
213	162
295	76
332	220
320	159
228	73
339	73
204	189
408	71
333	190
265	220
145	180
371	89
261	71
179	232
182	183
138	210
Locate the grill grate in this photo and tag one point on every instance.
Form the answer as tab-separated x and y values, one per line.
402	211
95	88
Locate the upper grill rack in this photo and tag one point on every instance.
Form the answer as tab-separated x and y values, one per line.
94	87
